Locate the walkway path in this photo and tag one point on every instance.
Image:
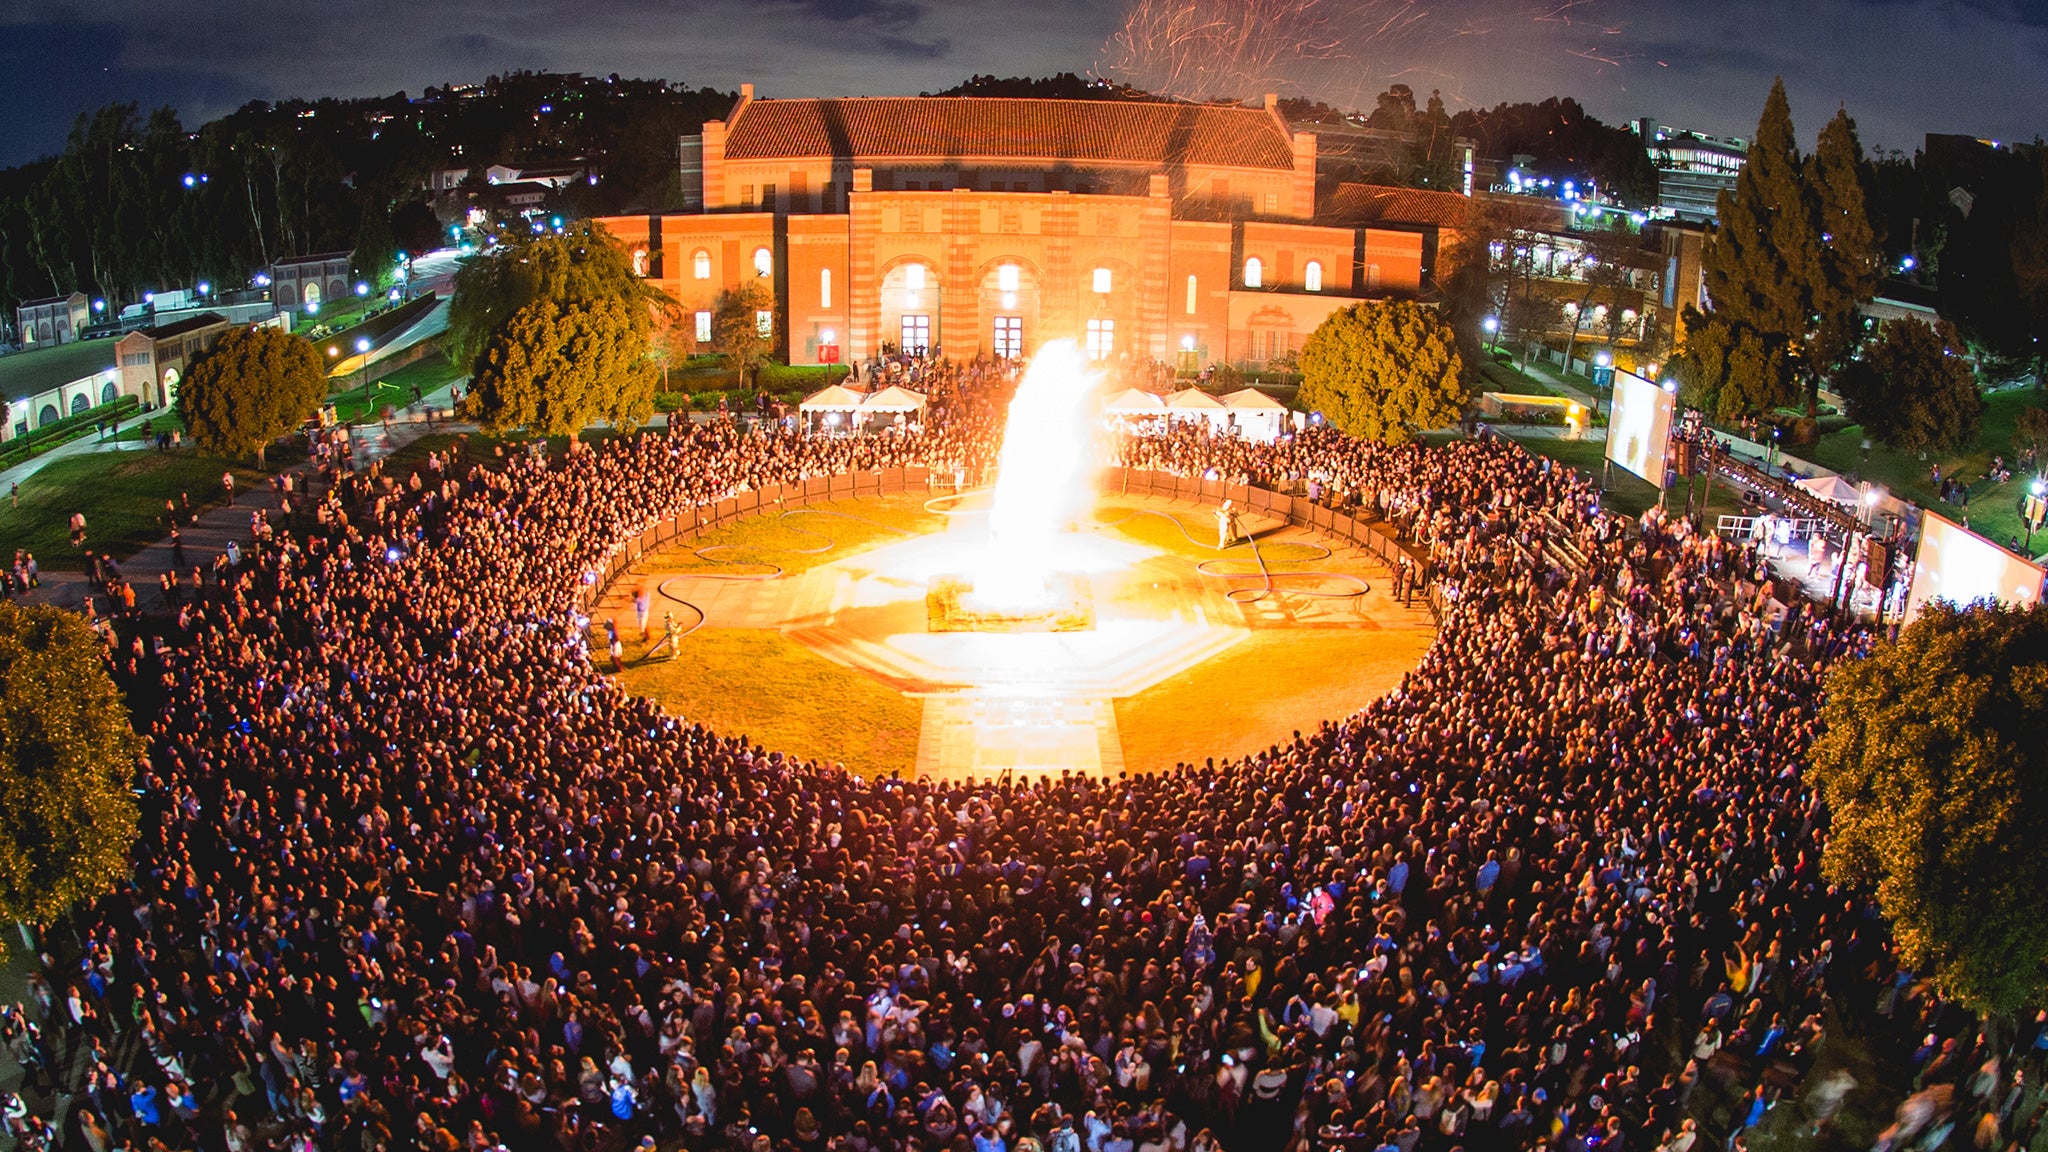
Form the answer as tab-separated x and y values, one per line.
210	534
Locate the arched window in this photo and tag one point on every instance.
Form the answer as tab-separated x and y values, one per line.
640	262
824	287
1008	278
914	277
764	262
1254	272
1312	276
700	264
1192	296
1102	280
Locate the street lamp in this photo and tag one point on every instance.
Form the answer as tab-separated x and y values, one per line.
363	350
2036	509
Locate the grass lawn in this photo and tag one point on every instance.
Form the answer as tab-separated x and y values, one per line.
430	373
1137	522
121	494
835	530
1261	690
162	420
780	694
1512	380
1993	510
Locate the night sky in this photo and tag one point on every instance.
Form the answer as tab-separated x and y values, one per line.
1903	67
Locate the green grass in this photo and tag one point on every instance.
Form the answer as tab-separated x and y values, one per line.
787	541
429	372
1513	381
25	374
775	692
162	420
1994	509
121	494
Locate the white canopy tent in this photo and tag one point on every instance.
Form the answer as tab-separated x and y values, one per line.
1259	416
1833	489
1195	404
834	404
892	404
1134	402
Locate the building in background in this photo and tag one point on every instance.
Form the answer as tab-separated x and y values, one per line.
1176	232
152	361
52	320
1693	168
298	281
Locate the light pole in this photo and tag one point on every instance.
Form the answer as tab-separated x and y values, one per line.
1491	326
2036	508
363	350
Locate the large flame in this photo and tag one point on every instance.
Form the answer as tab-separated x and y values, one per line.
1043	480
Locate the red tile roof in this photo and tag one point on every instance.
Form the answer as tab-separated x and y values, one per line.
1384	204
1100	131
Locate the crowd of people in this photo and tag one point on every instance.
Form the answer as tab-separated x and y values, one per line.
415	874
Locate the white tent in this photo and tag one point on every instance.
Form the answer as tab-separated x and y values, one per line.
894	398
836	403
1134	402
1259	416
1195	404
1833	489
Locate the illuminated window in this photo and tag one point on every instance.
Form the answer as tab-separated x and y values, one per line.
914	277
1312	276
639	261
764	323
1272	203
824	287
700	265
1102	280
1101	339
1009	337
1191	296
1007	278
1254	272
917	335
703	327
764	262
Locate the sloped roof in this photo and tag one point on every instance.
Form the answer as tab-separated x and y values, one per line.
1193	399
1105	131
181	327
1251	399
1384	204
831	398
1134	400
894	398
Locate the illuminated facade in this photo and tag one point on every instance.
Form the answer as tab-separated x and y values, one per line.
1187	233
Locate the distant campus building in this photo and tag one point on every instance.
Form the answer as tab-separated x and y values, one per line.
1187	233
52	320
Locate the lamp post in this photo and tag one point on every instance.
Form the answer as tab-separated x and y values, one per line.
363	350
2035	510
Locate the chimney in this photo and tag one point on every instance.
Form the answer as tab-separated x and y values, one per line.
1273	103
714	165
746	92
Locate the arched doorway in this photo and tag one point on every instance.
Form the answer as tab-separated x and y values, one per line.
48	415
911	306
287	296
312	293
81	403
171	378
109	392
1010	308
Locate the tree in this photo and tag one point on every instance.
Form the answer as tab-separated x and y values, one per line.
736	326
1730	370
1759	258
1384	371
2030	435
558	367
583	263
253	386
67	760
1914	388
1934	766
1845	272
375	251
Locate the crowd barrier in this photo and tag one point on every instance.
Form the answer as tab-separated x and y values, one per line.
1297	510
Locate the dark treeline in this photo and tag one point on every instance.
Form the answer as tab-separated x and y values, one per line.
115	215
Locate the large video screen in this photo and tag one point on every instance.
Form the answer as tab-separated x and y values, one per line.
1957	565
1639	426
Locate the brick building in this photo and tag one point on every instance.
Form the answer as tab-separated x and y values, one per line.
52	321
1178	232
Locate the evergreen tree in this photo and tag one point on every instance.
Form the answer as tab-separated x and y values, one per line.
253	386
1732	371
559	366
1846	257
1914	388
736	326
1384	371
67	760
583	263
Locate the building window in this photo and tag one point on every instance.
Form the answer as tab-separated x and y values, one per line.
1008	277
824	287
1272	203
1010	337
914	277
1254	273
767	195
746	193
764	262
1192	297
1101	339
764	323
1312	276
1372	277
640	262
1102	280
700	265
703	327
917	335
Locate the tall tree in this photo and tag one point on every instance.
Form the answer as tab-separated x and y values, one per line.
1384	371
582	263
737	329
1730	370
1914	388
1759	258
67	761
253	386
1934	764
1845	272
559	366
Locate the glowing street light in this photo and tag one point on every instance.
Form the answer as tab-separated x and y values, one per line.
363	350
362	288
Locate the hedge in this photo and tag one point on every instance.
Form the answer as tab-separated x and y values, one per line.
63	431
